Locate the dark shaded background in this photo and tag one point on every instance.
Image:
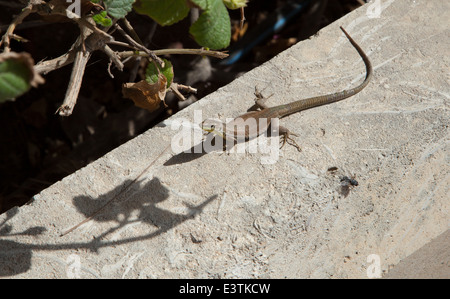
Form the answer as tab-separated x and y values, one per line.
39	147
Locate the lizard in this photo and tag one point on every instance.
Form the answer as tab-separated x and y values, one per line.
241	128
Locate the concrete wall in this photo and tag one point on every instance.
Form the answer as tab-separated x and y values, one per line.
229	215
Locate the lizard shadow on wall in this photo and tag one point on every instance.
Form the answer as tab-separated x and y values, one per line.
185	156
136	204
193	153
211	144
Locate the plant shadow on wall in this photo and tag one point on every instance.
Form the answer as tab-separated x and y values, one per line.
39	148
136	205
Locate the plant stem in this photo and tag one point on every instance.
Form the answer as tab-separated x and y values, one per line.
217	54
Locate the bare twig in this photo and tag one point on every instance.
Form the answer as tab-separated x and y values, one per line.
132	32
81	59
19	38
139	46
217	54
109	69
7	36
94	42
174	87
187	88
113	57
241	22
137	60
120	44
46	66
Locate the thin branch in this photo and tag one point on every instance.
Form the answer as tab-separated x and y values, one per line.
73	88
175	87
217	54
113	57
187	88
7	36
137	60
139	46
132	32
120	44
94	41
46	66
241	22
19	38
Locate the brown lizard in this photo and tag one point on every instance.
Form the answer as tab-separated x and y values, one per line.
254	123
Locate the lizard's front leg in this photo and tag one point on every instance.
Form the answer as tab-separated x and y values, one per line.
260	100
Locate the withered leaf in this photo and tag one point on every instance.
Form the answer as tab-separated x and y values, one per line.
146	95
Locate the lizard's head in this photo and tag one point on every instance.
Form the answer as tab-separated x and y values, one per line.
214	126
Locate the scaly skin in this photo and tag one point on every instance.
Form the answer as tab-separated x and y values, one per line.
254	123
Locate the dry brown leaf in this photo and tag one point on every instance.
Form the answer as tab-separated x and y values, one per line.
238	31
146	95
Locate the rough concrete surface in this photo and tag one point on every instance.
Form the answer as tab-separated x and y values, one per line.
232	215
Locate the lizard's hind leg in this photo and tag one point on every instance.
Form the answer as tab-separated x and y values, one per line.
285	133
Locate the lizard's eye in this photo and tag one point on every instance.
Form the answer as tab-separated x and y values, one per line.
213	127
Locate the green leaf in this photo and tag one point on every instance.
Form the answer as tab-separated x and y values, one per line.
235	4
202	4
151	74
164	12
13	80
102	19
118	8
212	29
17	75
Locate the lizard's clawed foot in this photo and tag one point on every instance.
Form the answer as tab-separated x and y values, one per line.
286	138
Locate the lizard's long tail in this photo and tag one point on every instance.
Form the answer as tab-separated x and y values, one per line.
338	96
